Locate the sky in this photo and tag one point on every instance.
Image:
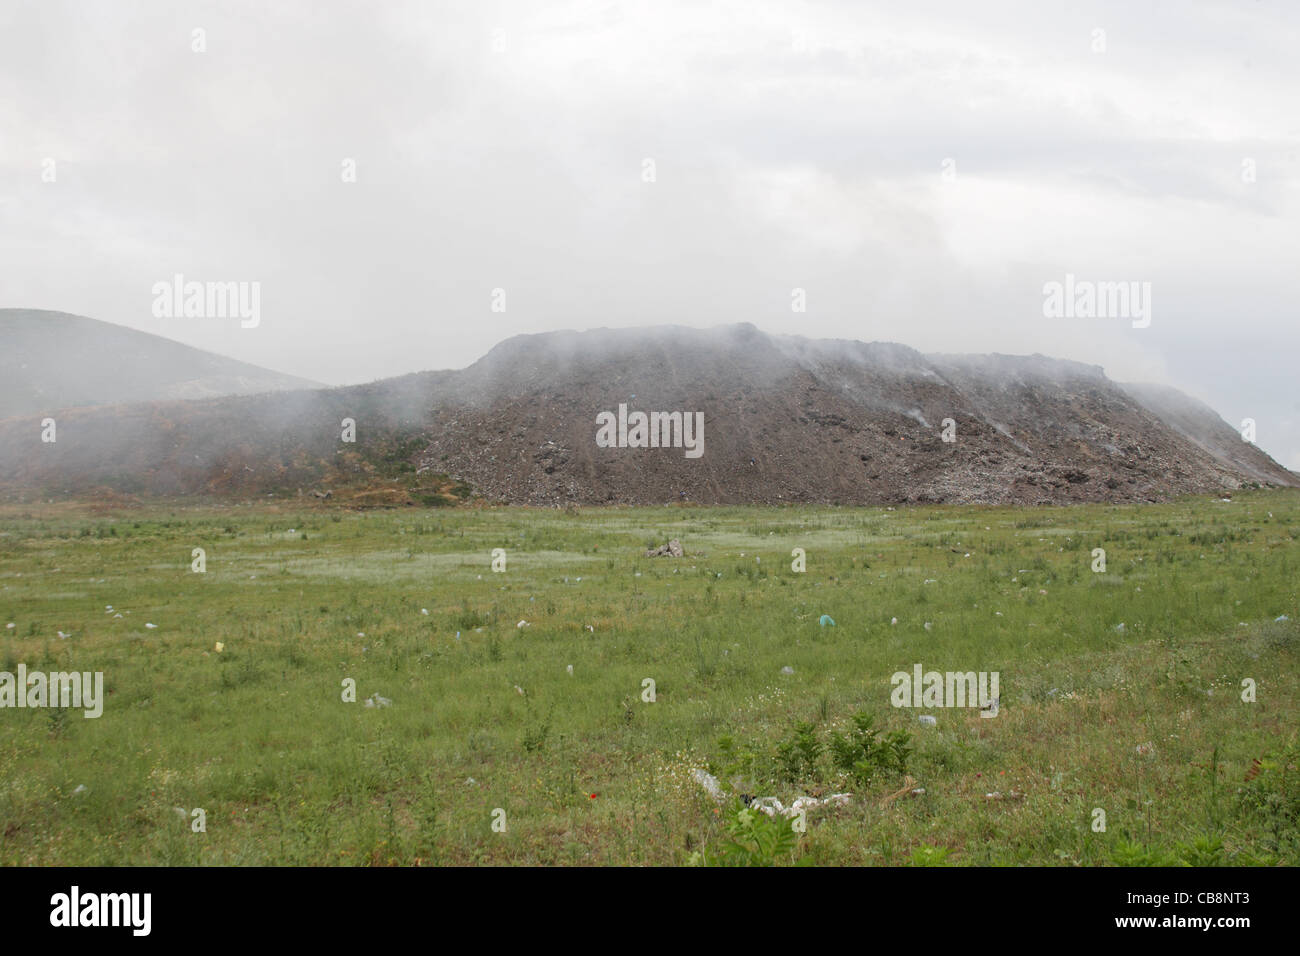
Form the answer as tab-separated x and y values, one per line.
919	170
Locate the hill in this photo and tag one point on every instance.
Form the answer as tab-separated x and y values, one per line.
786	419
53	360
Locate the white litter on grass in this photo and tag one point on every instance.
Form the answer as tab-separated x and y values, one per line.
10	626
928	625
519	690
374	700
787	670
1120	627
569	669
522	624
772	806
81	788
709	782
927	721
62	635
117	615
1279	619
590	628
152	627
424	610
893	620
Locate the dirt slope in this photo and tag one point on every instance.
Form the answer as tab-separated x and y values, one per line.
785	420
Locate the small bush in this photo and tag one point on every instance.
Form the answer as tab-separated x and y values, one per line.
862	752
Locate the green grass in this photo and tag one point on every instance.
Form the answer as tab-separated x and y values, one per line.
1145	722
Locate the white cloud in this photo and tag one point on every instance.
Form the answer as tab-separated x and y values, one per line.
796	144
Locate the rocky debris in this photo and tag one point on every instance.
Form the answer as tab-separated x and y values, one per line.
673	549
787	420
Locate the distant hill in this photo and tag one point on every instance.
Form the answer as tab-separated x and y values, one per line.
53	360
787	419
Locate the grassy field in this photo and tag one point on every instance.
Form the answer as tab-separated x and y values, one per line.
1121	691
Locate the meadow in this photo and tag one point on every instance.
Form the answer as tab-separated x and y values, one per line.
1160	692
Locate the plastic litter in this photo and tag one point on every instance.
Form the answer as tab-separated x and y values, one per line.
709	782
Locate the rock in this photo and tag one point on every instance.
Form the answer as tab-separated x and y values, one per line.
673	549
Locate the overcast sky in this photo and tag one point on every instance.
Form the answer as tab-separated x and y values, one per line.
794	145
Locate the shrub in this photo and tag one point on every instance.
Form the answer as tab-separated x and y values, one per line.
753	839
798	754
862	752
